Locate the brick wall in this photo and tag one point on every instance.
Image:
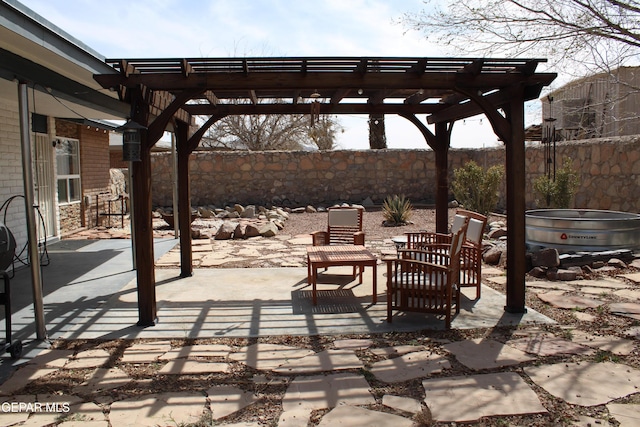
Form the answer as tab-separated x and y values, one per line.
94	173
609	171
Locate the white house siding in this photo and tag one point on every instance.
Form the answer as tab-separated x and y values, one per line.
11	182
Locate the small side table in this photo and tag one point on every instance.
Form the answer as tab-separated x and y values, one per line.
399	241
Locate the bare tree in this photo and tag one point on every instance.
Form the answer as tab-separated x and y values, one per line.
323	133
581	34
272	132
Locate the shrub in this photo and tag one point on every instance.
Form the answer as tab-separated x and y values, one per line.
477	188
396	210
559	193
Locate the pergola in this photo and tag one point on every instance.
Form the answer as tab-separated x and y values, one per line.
169	93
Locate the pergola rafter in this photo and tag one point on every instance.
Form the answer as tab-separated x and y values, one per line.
174	91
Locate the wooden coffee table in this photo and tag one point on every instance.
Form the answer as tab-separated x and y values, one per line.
331	256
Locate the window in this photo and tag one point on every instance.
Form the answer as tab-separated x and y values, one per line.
68	162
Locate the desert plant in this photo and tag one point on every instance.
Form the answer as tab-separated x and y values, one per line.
477	188
396	210
558	192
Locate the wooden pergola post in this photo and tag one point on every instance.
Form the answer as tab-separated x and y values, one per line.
141	189
184	200
443	140
516	179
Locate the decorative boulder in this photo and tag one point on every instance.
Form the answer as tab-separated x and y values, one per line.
226	230
268	230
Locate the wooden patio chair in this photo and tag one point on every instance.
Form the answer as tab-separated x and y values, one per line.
426	280
344	227
471	265
471	268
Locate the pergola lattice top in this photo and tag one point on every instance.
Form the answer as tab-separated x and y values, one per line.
345	84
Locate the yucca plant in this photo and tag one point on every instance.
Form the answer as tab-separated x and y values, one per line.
396	210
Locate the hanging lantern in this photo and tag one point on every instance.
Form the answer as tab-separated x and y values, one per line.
131	141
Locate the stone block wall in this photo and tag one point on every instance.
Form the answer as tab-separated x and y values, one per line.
609	172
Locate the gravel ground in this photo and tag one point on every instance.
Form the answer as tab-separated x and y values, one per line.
421	219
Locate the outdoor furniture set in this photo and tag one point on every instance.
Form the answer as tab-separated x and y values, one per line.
428	272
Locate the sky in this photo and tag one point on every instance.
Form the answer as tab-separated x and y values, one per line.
223	28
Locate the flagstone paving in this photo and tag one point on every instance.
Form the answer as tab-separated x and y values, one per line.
327	391
409	366
484	353
401	403
269	356
586	383
628	415
613	344
351	416
225	400
346	397
187	367
468	398
89	359
562	300
196	351
626	309
549	345
145	352
158	409
349	382
328	360
103	379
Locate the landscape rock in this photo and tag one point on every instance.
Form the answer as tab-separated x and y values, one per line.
497	233
251	231
226	230
248	212
268	230
617	263
205	212
561	274
547	257
538	272
493	255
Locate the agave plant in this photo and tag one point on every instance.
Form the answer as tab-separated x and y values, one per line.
396	210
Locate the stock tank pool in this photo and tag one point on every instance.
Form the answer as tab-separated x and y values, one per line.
582	229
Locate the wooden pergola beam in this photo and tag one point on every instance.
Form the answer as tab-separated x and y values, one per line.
319	81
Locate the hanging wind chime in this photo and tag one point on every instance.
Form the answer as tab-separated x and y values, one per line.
315	108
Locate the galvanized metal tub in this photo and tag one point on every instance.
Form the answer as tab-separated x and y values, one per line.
582	229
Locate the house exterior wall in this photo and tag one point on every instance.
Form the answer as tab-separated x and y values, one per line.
94	169
11	183
94	176
602	105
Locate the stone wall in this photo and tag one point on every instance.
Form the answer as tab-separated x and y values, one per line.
609	175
